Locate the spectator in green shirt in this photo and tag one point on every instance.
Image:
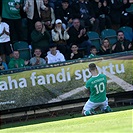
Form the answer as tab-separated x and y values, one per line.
93	52
16	61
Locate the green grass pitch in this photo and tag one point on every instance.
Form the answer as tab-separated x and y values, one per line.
114	122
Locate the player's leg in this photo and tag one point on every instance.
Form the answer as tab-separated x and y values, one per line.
88	108
105	107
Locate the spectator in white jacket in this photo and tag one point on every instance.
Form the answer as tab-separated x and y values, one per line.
33	11
54	55
60	37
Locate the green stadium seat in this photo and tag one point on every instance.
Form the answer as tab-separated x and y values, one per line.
130	9
110	34
23	48
128	32
94	38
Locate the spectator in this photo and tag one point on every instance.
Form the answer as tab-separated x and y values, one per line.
78	35
105	47
102	13
40	38
32	9
122	44
16	61
11	15
118	13
3	65
75	54
85	13
64	13
37	60
5	47
54	55
54	3
60	37
93	52
48	16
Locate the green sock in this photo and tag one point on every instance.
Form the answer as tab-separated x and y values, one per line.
87	113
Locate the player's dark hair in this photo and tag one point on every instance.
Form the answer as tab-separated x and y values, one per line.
92	66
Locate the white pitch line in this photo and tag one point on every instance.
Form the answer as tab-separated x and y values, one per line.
66	95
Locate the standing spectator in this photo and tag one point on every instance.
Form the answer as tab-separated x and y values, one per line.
54	55
105	47
48	16
64	13
37	60
117	12
122	44
85	13
54	3
96	86
5	44
78	35
60	37
102	13
16	61
93	52
40	38
3	65
32	9
74	54
11	15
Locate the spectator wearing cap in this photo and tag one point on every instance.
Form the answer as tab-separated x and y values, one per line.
54	55
60	37
64	12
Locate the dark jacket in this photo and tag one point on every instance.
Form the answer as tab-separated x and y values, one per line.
73	33
64	15
116	9
76	10
118	47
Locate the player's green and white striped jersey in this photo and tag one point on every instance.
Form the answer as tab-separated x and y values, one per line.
97	86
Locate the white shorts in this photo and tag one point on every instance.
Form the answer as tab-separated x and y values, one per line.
91	105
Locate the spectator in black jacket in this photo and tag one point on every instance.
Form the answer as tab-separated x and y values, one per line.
118	14
102	13
78	35
84	11
122	44
64	13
